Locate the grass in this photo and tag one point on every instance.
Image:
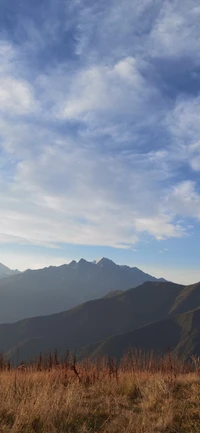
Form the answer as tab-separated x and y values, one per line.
142	395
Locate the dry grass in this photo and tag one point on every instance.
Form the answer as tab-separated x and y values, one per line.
102	399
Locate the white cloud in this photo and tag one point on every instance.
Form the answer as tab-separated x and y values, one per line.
7	56
183	124
160	227
184	200
148	29
16	94
61	196
98	28
109	91
176	29
184	119
16	97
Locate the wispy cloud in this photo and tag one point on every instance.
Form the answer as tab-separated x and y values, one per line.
98	142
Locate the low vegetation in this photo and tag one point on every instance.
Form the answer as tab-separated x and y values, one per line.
143	394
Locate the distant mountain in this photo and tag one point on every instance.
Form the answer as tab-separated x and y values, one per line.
92	322
54	289
6	272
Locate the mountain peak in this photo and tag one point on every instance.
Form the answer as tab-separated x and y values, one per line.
73	264
3	267
6	272
82	261
103	261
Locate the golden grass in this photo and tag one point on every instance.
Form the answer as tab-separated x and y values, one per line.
129	400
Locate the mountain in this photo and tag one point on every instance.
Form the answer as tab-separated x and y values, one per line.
188	299
92	322
54	289
180	334
6	272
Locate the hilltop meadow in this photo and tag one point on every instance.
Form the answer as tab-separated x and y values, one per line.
141	394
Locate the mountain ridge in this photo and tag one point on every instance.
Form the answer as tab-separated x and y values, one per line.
62	287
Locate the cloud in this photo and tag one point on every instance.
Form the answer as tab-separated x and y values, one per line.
184	127
97	144
185	200
185	118
63	197
15	96
119	90
161	227
98	28
195	156
176	31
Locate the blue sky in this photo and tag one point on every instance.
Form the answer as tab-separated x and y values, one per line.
100	134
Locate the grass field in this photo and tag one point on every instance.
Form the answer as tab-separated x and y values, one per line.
144	396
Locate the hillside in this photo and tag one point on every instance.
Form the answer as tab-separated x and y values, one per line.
180	334
54	289
90	322
188	299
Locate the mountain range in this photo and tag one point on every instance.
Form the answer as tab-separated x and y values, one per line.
152	316
54	289
107	309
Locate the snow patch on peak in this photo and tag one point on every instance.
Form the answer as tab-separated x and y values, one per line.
98	260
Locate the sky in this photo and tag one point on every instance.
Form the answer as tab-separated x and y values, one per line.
100	134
